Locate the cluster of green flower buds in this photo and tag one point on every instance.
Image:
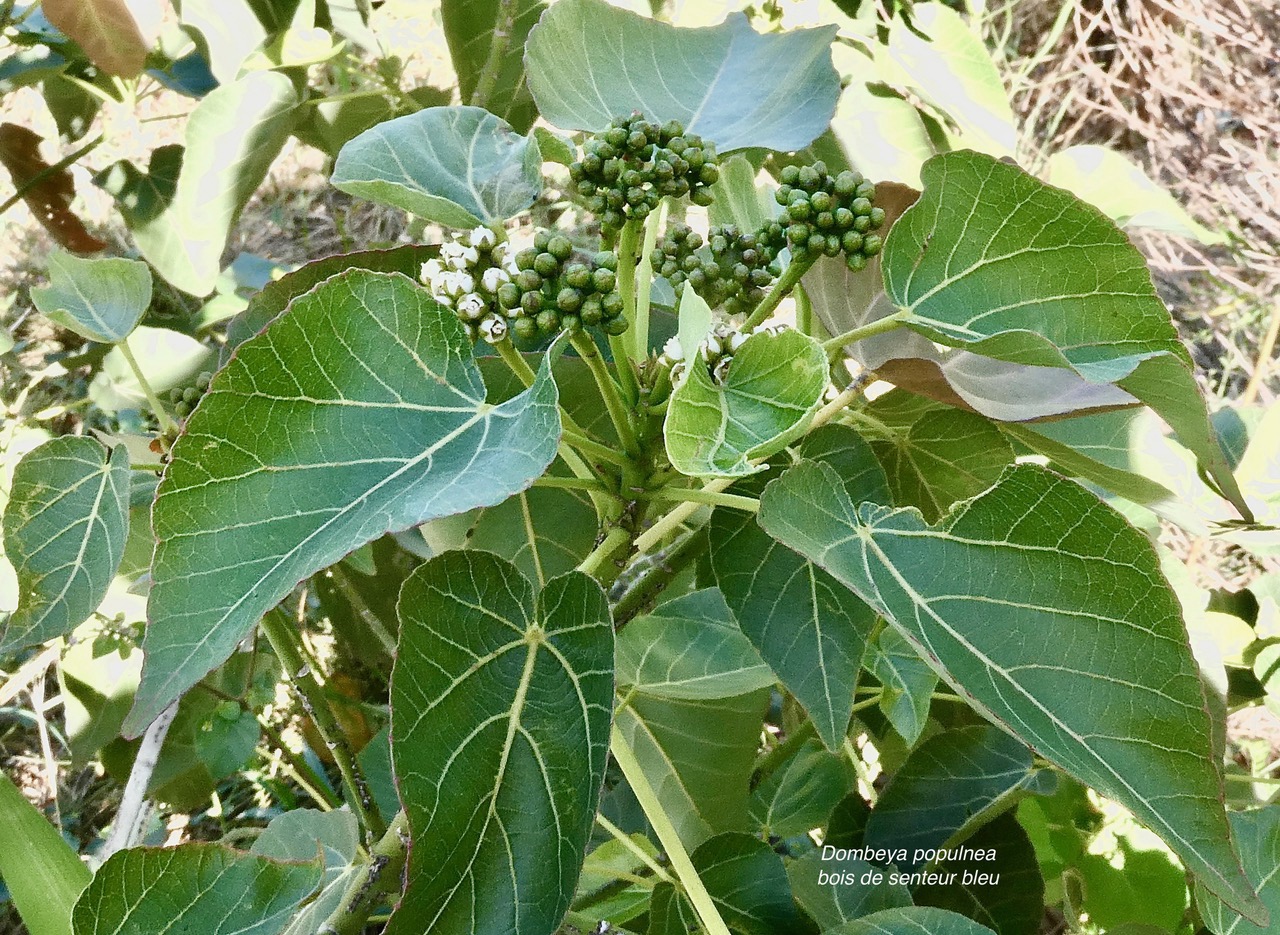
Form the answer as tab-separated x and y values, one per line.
826	215
629	167
466	277
551	291
731	272
184	399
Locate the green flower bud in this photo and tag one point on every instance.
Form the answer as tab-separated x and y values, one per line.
525	329
528	280
615	326
604	280
546	265
578	275
569	300
871	244
548	321
508	295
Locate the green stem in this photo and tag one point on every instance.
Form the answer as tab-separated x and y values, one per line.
625	757
595	450
618	413
644	278
804	311
594	563
571	483
622	345
782	752
789	279
625	840
688	495
889	323
166	422
503	24
378	878
287	644
662	569
868	702
655	534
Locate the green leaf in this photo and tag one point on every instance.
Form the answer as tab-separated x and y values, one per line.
1109	181
232	137
727	83
166	358
953	70
950	785
807	626
469	30
1001	595
599	897
289	464
854	892
231	32
748	884
907	683
502	702
945	456
1258	837
773	388
690	648
41	871
199	887
1012	904
297	835
64	531
991	259
698	755
914	920
226	740
670	913
458	166
738	200
802	793
100	299
694	321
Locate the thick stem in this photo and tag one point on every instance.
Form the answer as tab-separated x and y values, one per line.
889	323
127	829
786	282
503	24
595	563
625	757
624	350
644	278
660	573
166	422
287	644
655	534
617	409
380	877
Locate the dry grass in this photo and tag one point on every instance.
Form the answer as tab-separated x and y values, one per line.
1189	89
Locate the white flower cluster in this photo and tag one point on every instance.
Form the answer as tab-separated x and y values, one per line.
718	348
466	277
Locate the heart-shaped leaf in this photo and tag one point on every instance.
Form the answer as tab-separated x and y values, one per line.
100	299
292	460
727	83
993	260
502	701
458	166
196	887
773	387
64	531
1001	596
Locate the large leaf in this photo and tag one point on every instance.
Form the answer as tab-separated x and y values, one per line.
774	385
194	887
914	920
1049	613
727	83
690	647
801	794
807	626
41	871
991	259
105	29
951	784
748	883
458	166
292	460
469	27
698	755
502	701
840	889
64	531
101	299
232	137
1258	837
1105	178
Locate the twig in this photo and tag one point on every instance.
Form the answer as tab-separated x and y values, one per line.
134	808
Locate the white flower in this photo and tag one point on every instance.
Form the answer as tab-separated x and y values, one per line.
500	253
432	270
453	283
736	340
494	277
493	329
481	236
471	305
672	350
721	369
